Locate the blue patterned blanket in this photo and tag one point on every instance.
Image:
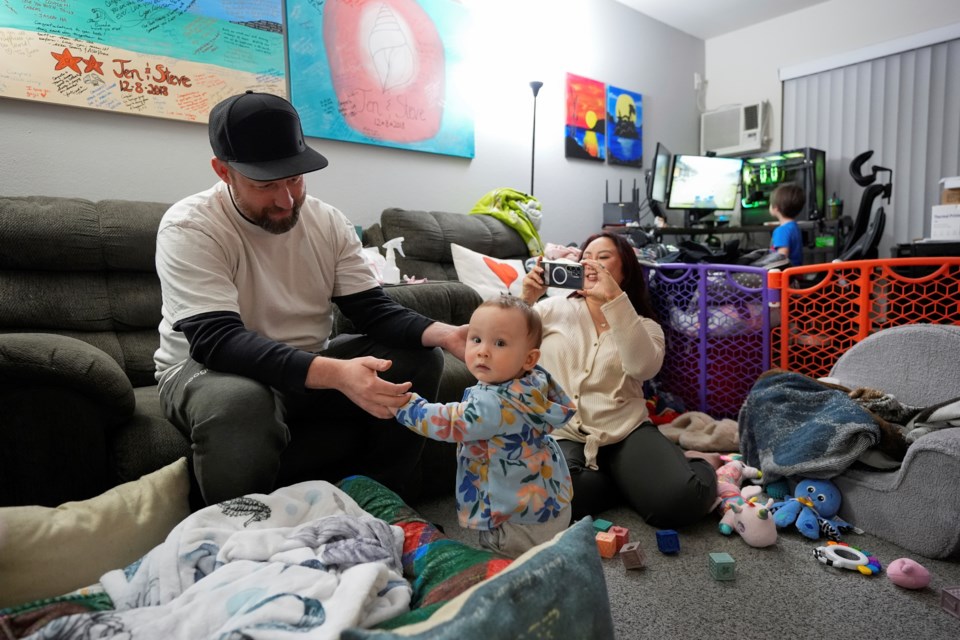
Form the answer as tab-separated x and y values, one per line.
791	425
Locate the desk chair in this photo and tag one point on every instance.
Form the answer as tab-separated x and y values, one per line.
864	238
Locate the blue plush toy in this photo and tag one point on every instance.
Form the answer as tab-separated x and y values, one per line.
813	508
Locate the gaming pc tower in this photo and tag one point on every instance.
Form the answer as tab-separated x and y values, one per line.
762	173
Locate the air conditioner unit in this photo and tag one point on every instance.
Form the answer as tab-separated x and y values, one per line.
733	130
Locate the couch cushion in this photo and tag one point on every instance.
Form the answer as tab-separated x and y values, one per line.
427	236
46	552
86	270
488	276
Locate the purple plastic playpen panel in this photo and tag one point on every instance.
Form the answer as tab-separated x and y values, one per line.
716	319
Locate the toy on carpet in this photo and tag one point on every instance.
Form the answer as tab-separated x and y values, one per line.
599	524
632	556
813	509
607	544
622	534
739	507
612	540
908	574
722	566
843	556
950	600
668	541
778	489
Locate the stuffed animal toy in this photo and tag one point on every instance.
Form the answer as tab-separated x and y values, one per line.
813	509
739	508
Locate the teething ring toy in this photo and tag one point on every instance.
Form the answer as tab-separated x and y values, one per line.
843	556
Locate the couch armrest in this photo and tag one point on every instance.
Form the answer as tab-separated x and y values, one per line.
47	359
62	398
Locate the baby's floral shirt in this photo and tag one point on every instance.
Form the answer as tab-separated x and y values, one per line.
508	466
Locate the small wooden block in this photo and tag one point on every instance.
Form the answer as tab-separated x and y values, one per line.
950	600
668	541
602	525
622	533
607	544
632	556
722	566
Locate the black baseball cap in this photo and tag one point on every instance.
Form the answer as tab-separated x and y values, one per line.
260	135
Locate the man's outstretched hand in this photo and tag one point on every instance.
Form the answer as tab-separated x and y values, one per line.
358	379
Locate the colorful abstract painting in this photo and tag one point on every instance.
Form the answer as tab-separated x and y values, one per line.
624	127
585	128
383	72
170	59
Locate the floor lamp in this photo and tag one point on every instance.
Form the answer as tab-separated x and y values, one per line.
535	85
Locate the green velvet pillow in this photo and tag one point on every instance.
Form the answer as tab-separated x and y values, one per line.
460	592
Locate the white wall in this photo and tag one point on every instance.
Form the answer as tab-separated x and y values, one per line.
743	66
67	151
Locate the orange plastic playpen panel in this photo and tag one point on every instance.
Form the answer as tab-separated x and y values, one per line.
852	300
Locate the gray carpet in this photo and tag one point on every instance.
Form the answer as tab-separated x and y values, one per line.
779	592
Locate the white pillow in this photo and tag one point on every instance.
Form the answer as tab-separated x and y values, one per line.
490	277
47	552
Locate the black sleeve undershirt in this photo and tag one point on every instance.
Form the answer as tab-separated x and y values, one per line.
220	341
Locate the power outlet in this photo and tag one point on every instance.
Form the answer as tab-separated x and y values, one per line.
697	80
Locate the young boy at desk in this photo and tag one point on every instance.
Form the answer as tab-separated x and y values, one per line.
513	484
786	203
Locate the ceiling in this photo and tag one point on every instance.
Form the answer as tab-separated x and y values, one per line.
706	19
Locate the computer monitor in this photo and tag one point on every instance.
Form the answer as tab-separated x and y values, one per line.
660	175
703	184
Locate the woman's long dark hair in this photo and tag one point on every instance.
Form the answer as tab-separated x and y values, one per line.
634	283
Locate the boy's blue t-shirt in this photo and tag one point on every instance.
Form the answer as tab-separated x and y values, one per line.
788	235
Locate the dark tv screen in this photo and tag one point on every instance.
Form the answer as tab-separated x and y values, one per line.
660	175
704	183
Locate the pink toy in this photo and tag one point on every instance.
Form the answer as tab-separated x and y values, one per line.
739	508
622	534
908	574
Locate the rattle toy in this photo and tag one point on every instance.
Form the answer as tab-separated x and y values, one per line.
842	556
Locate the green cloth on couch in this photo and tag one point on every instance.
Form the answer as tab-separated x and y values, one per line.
517	210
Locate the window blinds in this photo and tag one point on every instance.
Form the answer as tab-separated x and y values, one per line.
905	107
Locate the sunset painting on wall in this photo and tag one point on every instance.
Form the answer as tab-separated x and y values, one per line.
586	122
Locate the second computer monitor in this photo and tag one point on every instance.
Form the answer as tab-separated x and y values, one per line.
660	175
704	183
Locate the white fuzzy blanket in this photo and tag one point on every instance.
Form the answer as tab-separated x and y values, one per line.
303	562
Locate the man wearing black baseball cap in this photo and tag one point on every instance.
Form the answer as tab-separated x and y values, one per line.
249	271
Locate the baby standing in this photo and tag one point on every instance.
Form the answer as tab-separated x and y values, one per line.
513	484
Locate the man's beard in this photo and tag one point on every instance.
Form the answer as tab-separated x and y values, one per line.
279	226
263	220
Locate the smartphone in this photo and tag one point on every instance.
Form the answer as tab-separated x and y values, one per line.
563	274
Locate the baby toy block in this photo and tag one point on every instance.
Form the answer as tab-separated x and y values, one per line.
606	544
632	556
722	566
950	600
622	533
668	541
602	525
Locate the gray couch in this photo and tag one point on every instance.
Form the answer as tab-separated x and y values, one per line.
79	310
916	504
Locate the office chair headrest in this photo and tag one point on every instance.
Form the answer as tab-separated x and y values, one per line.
855	172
